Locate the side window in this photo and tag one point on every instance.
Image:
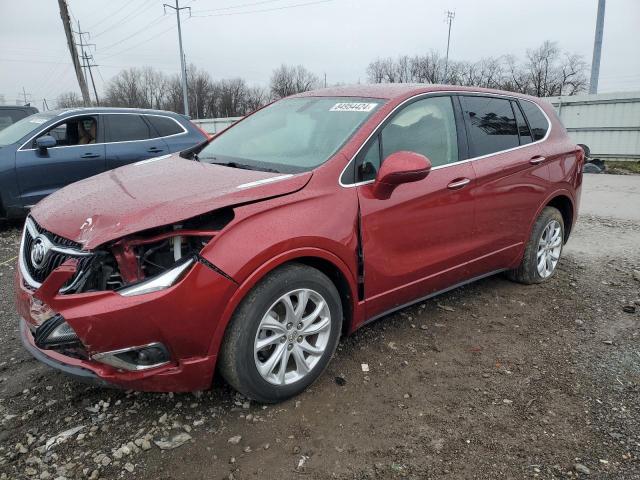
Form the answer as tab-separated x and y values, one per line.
537	121
74	131
164	126
126	127
369	161
491	124
428	127
523	128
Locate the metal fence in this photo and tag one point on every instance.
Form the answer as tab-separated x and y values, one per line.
608	123
215	125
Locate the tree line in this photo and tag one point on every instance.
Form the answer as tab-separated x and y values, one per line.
544	71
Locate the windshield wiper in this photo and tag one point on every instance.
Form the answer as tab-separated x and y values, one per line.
244	166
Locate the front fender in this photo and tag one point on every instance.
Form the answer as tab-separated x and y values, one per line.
276	261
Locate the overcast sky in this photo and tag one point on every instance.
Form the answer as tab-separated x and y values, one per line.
336	37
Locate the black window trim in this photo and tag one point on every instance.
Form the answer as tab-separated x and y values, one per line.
457	114
88	113
453	93
99	133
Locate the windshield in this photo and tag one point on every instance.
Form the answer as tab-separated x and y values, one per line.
16	131
292	135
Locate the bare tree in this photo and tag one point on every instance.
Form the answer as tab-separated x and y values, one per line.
289	80
69	100
545	71
256	97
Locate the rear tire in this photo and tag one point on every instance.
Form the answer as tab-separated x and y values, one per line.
283	334
543	251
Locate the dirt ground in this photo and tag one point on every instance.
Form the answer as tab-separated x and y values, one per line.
492	380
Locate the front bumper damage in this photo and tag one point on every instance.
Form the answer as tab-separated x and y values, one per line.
182	318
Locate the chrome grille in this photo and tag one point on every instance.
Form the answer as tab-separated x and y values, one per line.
53	251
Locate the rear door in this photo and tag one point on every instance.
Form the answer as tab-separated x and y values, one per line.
511	178
40	173
130	138
417	241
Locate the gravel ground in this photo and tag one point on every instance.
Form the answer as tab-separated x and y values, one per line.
492	380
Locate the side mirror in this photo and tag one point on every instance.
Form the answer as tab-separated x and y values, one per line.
44	142
398	168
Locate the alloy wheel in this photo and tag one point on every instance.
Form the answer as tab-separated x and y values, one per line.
549	248
292	336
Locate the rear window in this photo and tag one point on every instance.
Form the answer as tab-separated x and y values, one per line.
537	121
491	124
11	115
164	126
126	127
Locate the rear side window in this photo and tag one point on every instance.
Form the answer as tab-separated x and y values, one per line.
164	126
125	128
523	128
491	124
537	121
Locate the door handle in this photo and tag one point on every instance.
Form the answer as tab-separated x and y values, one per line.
155	150
537	160
90	155
458	184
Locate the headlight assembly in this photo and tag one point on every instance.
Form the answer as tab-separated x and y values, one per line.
159	282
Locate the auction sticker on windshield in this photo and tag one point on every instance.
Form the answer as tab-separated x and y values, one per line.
353	107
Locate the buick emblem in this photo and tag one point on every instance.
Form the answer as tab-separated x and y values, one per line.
39	251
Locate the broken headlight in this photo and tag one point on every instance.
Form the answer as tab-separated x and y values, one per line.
159	282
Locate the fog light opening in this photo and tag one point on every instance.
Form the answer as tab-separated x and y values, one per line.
55	333
143	357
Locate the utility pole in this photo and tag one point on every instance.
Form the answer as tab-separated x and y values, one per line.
449	19
66	23
45	105
24	96
597	50
87	59
183	65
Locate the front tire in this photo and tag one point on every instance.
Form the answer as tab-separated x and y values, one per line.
283	334
542	253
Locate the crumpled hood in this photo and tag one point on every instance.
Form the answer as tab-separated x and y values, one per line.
153	193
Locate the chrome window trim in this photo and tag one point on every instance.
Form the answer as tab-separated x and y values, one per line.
24	271
87	114
376	130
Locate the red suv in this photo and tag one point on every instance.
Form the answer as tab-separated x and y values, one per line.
319	213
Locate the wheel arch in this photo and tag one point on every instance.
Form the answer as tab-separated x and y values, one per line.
565	205
323	260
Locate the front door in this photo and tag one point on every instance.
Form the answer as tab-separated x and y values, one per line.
78	154
419	240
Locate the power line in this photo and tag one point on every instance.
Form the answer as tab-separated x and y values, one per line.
142	42
296	5
141	30
134	14
233	7
108	16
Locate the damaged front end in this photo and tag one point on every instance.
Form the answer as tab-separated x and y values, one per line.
107	307
134	265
